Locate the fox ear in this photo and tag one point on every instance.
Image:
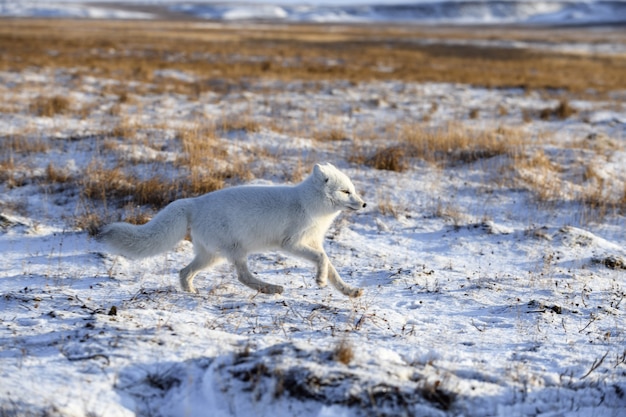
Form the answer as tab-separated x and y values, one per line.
318	171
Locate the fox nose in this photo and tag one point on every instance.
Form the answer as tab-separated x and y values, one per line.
364	205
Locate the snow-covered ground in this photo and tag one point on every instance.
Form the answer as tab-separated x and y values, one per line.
480	299
546	12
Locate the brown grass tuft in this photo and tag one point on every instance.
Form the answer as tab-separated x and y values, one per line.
343	352
56	175
125	129
90	222
50	106
243	123
331	135
392	158
562	111
199	144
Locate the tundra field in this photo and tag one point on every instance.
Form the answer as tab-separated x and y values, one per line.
492	251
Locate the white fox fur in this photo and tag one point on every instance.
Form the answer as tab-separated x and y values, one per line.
237	221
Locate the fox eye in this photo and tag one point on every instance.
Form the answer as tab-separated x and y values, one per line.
347	192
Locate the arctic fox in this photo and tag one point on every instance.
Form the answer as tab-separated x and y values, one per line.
234	222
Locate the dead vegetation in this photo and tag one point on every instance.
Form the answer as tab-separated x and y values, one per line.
451	145
562	111
224	56
50	106
343	352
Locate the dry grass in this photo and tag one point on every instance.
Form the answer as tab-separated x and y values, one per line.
552	182
125	128
22	144
390	158
331	135
451	145
243	123
386	206
562	111
115	185
343	352
199	144
57	175
134	50
50	106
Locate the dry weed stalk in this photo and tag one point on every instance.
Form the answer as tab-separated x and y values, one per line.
386	207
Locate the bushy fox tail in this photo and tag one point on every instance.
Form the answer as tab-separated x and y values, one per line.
160	234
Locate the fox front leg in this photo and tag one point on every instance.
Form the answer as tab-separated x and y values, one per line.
315	255
338	283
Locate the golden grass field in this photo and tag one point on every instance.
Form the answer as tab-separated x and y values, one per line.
131	50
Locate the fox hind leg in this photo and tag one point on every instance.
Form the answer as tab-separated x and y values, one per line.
202	261
246	278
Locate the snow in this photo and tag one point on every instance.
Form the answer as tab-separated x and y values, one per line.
478	300
60	9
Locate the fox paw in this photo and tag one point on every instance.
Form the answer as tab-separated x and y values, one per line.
272	289
354	292
321	283
190	289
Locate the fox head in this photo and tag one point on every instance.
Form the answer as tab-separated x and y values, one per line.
337	188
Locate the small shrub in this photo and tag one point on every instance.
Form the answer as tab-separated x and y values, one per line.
545	114
564	110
